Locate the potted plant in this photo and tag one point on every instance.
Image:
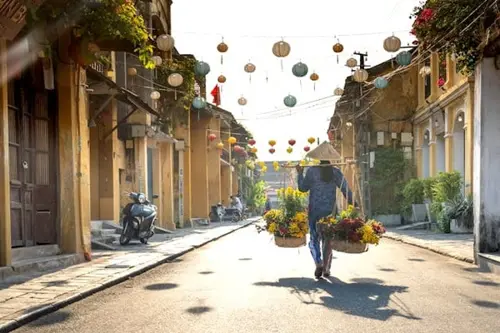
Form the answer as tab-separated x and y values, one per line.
459	213
289	223
348	232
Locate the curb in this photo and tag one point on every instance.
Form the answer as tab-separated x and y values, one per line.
43	311
404	240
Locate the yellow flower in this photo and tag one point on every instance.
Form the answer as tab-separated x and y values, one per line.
293	228
368	235
272	228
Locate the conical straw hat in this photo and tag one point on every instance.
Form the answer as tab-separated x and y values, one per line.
324	152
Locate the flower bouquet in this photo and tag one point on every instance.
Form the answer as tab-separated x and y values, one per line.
348	232
289	223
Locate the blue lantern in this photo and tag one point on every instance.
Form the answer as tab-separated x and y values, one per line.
201	68
403	58
199	103
381	83
300	69
290	101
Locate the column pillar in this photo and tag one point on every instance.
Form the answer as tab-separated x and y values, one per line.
5	228
158	182
421	88
74	155
469	137
418	150
432	149
435	90
199	167
183	133
141	165
167	192
214	166
448	139
485	169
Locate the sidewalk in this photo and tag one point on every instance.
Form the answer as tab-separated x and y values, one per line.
458	246
26	298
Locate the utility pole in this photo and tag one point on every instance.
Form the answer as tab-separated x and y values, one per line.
363	139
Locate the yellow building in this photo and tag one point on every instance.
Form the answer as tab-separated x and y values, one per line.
443	121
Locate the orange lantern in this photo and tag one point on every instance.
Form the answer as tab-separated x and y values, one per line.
311	140
221	79
272	143
220	145
253	150
338	48
231	140
222	48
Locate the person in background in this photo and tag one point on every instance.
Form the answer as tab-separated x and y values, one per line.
268	205
322	182
236	203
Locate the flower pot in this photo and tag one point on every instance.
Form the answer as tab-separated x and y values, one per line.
289	242
349	247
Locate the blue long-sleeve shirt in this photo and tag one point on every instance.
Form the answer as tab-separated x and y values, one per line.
322	196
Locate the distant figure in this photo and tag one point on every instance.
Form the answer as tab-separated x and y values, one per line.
236	203
322	182
268	205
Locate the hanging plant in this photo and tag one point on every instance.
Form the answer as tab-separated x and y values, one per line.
447	26
101	21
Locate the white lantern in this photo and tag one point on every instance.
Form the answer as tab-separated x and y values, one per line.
165	42
175	80
424	71
155	95
132	71
157	60
360	75
249	68
392	44
242	101
338	92
351	63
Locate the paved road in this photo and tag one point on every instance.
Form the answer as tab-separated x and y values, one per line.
242	283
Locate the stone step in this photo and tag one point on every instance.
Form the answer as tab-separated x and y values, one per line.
24	253
41	264
489	262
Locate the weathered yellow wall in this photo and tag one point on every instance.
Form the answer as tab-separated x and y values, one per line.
225	171
167	193
184	133
5	229
214	166
235	182
199	167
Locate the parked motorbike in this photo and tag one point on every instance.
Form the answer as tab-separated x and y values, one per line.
138	219
219	214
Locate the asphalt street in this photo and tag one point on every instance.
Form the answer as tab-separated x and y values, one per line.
243	283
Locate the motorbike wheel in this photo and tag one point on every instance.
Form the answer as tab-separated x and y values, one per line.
144	240
236	217
213	217
124	239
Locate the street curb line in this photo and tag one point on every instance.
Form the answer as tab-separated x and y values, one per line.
35	314
430	248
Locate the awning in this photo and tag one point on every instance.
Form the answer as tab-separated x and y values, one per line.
122	94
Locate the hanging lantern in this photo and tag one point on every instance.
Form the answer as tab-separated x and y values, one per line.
290	101
175	80
242	101
424	71
220	145
289	150
132	71
199	103
231	140
351	62
212	137
155	95
272	150
338	92
221	79
272	143
307	148
157	60
311	140
201	68
338	48
314	77
300	69
237	148
251	142
381	83
360	75
253	150
403	58
165	42
291	142
249	68
281	50
392	44
222	48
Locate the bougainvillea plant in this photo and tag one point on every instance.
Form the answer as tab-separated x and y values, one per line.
452	27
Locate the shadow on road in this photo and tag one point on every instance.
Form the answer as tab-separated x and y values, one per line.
161	286
54	318
486	283
197	310
416	259
487	304
206	272
245	259
360	298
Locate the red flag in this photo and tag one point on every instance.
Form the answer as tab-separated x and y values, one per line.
216	94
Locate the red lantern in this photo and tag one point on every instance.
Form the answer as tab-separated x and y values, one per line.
237	148
251	142
272	150
291	142
212	137
307	148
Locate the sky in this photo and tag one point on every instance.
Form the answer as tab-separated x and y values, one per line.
250	28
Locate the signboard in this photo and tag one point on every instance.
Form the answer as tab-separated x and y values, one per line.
13	16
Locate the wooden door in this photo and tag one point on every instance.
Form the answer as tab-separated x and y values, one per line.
32	163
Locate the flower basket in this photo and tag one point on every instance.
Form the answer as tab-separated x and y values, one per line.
349	247
289	242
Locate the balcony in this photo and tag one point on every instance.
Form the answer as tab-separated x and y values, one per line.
224	157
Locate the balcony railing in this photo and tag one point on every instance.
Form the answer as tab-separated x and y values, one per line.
225	156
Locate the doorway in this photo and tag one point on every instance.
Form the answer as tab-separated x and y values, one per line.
33	162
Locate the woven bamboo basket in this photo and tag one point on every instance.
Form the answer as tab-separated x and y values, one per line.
289	242
349	247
